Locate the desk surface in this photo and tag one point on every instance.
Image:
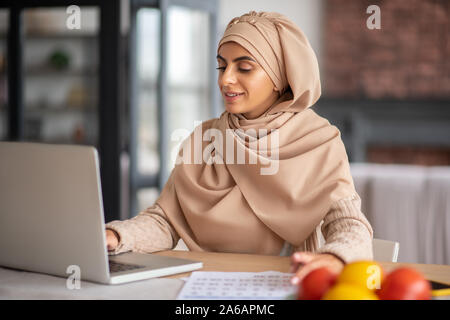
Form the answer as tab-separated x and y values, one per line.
257	263
28	285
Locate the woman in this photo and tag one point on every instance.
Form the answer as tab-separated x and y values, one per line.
269	79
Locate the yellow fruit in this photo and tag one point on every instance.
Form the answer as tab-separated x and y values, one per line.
364	274
344	291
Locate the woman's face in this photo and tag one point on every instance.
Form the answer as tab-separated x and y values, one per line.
239	73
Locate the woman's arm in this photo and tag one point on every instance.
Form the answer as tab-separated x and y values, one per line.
149	231
348	237
347	232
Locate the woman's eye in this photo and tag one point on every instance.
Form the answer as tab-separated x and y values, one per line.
240	69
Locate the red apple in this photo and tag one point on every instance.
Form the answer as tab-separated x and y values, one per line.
316	283
405	284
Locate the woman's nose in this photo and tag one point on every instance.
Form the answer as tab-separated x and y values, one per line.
228	76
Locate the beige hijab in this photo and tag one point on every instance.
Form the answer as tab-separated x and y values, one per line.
230	207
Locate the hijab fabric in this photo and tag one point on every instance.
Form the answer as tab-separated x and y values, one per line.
225	206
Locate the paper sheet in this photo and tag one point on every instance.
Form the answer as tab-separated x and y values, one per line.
269	285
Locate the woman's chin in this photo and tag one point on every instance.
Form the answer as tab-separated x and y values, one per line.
232	108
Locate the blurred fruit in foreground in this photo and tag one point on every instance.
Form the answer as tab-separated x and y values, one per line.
405	284
364	274
316	283
345	291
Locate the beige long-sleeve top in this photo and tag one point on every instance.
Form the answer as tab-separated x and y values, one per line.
344	232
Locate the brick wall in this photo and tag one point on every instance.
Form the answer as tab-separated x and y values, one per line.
415	155
408	58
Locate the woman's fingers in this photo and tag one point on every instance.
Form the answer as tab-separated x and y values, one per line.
111	240
311	261
303	257
300	258
303	271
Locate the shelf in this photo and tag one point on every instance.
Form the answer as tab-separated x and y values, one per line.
49	71
59	111
63	140
56	36
63	110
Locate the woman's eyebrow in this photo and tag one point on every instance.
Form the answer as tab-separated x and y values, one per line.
237	59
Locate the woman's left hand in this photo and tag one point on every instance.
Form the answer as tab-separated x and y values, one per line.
308	261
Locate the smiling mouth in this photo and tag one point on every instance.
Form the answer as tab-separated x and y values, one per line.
232	97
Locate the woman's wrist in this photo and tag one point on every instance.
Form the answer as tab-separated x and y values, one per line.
335	256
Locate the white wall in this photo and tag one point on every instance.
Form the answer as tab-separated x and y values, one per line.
307	14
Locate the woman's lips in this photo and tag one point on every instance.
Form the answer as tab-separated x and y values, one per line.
232	99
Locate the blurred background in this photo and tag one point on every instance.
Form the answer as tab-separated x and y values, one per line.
128	73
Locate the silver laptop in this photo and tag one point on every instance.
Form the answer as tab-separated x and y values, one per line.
51	217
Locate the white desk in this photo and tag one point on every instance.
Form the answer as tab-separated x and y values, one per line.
26	285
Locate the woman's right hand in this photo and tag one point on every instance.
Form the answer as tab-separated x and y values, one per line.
112	240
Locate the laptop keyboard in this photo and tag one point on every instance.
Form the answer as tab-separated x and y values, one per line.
119	267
